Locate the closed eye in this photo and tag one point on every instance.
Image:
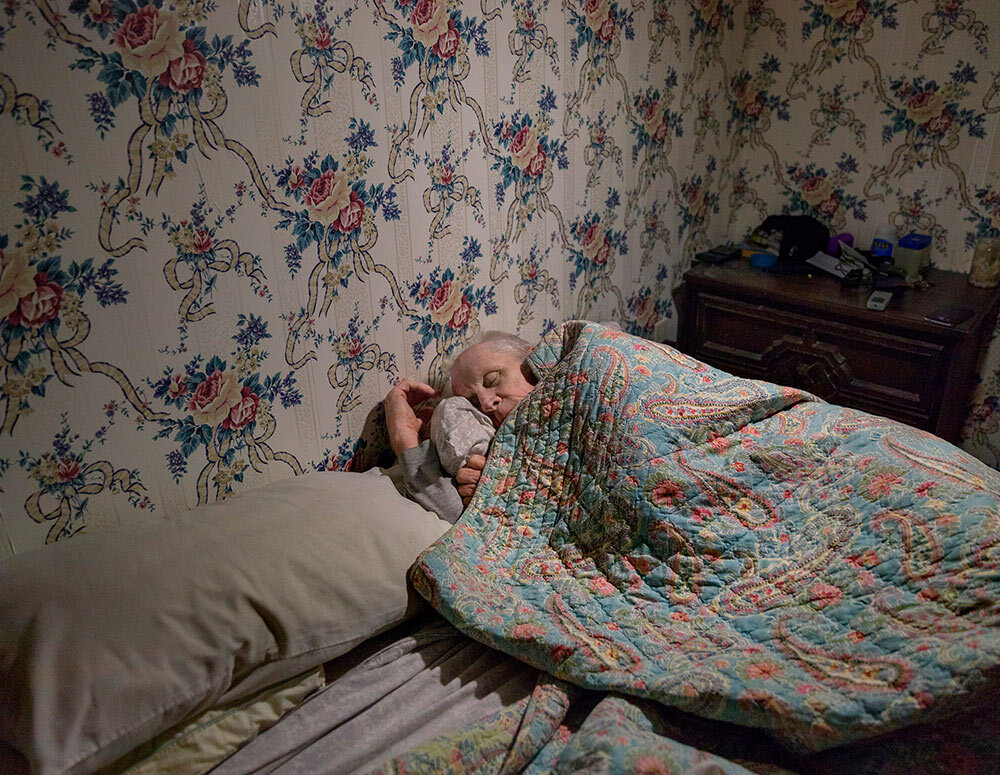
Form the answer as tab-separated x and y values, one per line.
491	379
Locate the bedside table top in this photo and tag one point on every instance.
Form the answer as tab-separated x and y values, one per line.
822	292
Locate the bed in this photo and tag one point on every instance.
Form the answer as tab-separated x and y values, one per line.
664	569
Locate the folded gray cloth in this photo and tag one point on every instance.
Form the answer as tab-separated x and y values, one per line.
459	430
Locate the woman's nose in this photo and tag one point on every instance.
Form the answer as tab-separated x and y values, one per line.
488	400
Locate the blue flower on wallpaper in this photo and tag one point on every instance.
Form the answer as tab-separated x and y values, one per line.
826	195
594	248
66	479
930	113
529	151
710	19
698	199
842	19
157	50
436	34
224	407
203	253
986	224
335	198
754	99
657	122
647	308
597	24
42	295
452	302
358	353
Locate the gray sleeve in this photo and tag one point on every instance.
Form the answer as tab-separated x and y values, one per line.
424	482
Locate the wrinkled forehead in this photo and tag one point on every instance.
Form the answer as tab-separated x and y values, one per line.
472	364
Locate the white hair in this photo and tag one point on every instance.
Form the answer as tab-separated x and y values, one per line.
501	341
504	342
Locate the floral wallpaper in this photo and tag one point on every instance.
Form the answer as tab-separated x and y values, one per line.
229	227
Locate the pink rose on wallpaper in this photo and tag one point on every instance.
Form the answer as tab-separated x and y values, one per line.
354	348
202	241
295	180
17	279
816	189
607	31
99	11
40	306
69	469
446	300
661	132
748	99
924	106
652	117
949	8
244	412
939	124
447	175
461	317
215	397
697	205
185	73
528	20
856	17
647	316
595	13
537	164
350	217
323	39
327	196
178	385
523	147
430	21
447	44
755	108
595	245
829	206
838	8
150	39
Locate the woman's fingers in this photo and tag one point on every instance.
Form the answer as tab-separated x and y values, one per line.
467	475
415	391
477	462
466	490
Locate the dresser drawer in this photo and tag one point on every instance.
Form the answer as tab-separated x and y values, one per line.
841	362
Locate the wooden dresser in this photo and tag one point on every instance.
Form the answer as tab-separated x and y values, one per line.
808	332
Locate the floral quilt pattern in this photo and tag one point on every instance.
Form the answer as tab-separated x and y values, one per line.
741	551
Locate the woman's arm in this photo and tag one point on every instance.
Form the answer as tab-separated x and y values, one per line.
402	421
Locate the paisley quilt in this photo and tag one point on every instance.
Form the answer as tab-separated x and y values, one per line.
651	526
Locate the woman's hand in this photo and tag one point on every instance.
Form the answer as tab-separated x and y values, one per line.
402	421
468	477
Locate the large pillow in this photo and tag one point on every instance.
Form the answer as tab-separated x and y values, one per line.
108	639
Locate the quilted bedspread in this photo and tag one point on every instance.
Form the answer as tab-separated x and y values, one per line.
651	526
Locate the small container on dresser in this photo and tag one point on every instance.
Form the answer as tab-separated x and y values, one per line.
809	332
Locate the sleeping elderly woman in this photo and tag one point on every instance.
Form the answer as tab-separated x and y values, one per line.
493	376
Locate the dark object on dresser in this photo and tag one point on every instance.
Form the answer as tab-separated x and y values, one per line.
809	333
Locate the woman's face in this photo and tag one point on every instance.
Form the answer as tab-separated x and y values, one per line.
491	379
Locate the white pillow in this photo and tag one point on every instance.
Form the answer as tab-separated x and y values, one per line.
109	639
